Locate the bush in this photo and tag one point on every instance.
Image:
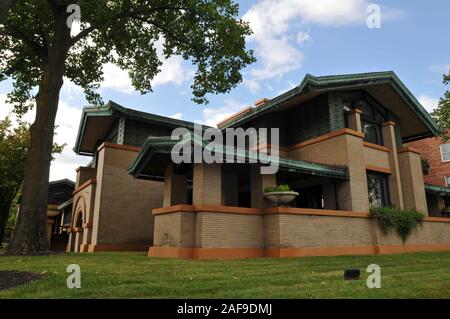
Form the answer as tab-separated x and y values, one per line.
279	188
403	221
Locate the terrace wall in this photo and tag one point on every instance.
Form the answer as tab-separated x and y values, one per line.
203	232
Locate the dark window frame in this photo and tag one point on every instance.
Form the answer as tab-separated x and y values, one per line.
377	117
384	186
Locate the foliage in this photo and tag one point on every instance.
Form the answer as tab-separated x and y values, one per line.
38	51
404	221
14	143
425	166
442	114
279	188
127	33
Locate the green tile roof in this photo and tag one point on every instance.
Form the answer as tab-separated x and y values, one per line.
437	189
312	83
65	204
165	144
114	109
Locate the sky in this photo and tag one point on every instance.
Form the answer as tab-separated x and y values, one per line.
290	39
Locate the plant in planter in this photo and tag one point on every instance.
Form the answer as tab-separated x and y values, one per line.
280	195
404	221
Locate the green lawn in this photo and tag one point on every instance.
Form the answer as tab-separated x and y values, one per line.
134	275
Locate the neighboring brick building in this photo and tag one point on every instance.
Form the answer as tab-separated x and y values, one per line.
437	153
344	146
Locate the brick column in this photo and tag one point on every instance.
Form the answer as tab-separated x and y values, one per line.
413	187
175	187
354	120
258	183
353	194
394	181
207	184
78	238
69	246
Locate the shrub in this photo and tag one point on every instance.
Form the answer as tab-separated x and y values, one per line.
283	188
403	221
269	189
279	188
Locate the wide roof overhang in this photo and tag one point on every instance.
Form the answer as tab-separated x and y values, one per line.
96	122
156	154
437	190
385	87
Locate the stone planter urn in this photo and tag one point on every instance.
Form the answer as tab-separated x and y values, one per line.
280	198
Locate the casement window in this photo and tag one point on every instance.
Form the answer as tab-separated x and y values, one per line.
445	152
377	185
447	180
372	120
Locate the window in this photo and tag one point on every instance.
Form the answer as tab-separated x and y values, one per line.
372	119
447	180
445	152
378	190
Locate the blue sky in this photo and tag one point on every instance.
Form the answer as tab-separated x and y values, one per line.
291	38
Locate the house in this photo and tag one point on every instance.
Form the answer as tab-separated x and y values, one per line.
59	212
111	209
344	145
436	159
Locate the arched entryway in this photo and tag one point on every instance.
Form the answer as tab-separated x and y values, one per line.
78	231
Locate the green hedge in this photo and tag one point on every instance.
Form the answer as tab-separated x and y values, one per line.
404	221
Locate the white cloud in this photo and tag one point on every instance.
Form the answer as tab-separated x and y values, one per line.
6	109
116	79
64	164
252	85
177	116
212	116
429	103
274	24
67	120
172	70
303	37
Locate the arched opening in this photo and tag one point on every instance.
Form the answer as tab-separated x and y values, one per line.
79	231
79	221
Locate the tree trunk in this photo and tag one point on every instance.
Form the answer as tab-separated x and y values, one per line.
6	199
30	233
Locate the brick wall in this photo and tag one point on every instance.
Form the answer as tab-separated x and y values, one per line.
304	232
429	148
123	205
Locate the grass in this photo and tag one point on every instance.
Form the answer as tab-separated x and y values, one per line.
134	275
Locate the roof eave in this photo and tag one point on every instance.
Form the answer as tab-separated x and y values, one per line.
322	82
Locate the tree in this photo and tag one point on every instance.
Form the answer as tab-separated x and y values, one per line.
14	144
5	5
442	114
13	150
36	50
